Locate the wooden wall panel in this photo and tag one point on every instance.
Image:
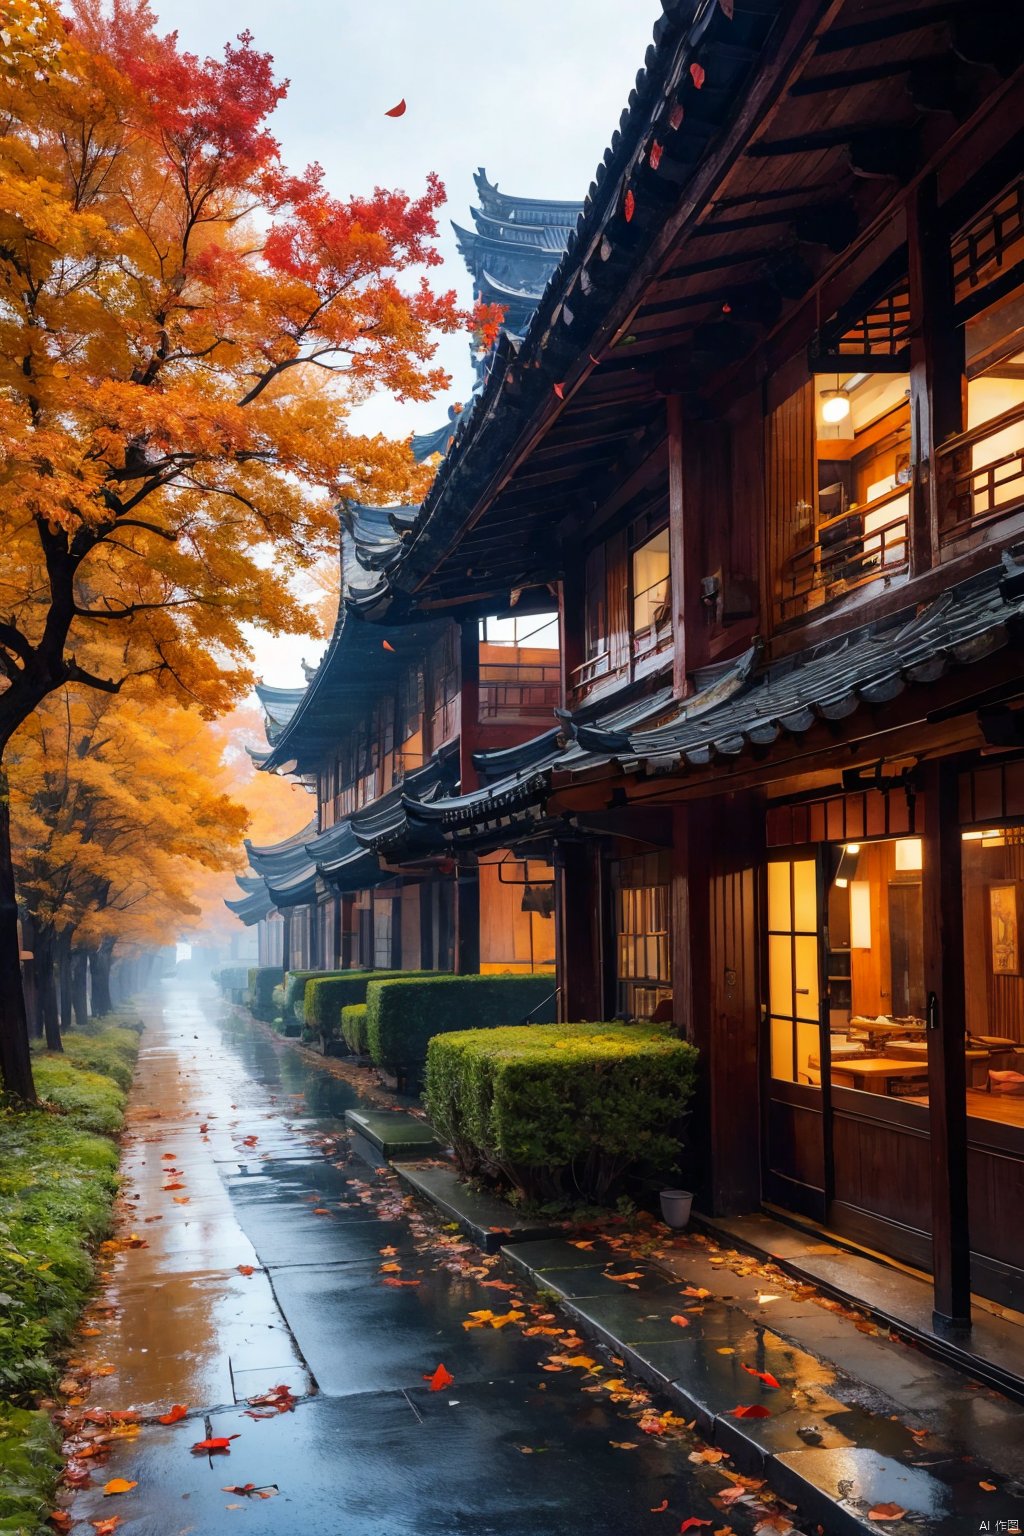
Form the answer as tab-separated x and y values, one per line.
789	481
412	959
511	939
882	1169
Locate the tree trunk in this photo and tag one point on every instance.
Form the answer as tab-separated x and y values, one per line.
15	1061
46	986
80	986
99	969
64	979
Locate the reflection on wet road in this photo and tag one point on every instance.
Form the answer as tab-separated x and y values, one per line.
265	1240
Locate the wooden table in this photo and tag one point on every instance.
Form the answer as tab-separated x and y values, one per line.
873	1074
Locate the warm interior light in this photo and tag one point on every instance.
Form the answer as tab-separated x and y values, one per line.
860	914
853	849
842	883
977	837
835	405
909	853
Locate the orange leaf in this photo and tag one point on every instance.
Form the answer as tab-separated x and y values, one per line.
695	1290
624	1445
440	1379
245	1269
751	1411
118	1485
988	1487
169	1157
390	1280
60	1520
169	1187
886	1512
174	1414
765	1376
106	1527
397	111
391	1269
387	646
181	1199
697	74
215	1443
631	1274
559	390
683	1322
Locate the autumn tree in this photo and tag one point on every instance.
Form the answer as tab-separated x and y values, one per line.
184	328
119	810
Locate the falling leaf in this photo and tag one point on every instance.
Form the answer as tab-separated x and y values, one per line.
396	111
675	117
765	1376
440	1379
692	1523
629	205
659	1509
697	74
321	1210
388	1253
214	1443
680	1322
751	1411
387	646
173	1414
118	1485
654	155
245	1269
886	1512
559	390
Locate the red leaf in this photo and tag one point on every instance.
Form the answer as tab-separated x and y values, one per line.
169	1187
675	117
654	155
387	645
60	1520
395	1282
440	1379
659	1509
177	1412
398	111
682	1322
216	1443
765	1376
751	1411
697	74
629	205
245	1269
559	390
692	1523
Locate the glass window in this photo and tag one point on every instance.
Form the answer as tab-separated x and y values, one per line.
875	965
794	993
643	948
539	631
993	883
651	600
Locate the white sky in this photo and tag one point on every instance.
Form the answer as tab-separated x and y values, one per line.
529	89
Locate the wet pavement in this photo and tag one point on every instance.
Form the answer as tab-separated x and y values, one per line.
269	1259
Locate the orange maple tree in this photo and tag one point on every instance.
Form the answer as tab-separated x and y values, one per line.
185	326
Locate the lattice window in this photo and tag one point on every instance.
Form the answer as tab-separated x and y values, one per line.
993	243
874	333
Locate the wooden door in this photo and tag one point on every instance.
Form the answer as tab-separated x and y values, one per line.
795	1044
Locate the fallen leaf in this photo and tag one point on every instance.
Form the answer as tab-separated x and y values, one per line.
886	1512
726	1350
321	1210
390	1280
118	1485
631	1274
396	111
169	1187
681	1322
765	1297
988	1487
106	1527
710	1456
692	1523
751	1411
169	1157
624	1445
697	1291
181	1199
60	1520
440	1379
173	1414
390	1269
245	1269
765	1376
214	1443
585	1243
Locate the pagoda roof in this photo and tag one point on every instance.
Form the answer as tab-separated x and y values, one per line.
252	908
376	532
533	210
539	237
479	251
279	704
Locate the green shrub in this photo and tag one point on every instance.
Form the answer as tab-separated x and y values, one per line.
295	990
353	1028
262	981
564	1110
93	1101
403	1014
233	981
29	1462
326	996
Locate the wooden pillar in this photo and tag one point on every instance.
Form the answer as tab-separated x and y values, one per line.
578	948
686	554
336	947
467	919
936	366
313	919
947	1087
469	707
571	620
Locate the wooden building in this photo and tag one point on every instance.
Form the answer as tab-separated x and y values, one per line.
766	432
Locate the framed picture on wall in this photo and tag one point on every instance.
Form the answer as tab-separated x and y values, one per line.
1004	905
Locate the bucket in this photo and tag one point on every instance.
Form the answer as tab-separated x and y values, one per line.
675	1206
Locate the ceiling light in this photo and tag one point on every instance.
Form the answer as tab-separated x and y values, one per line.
835	405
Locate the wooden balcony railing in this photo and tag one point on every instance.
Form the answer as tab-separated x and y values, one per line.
980	473
863	545
518	690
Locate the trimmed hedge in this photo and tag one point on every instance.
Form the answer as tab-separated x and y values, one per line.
561	1111
262	981
295	990
326	996
353	1028
233	981
402	1014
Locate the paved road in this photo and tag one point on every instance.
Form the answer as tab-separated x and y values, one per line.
369	1450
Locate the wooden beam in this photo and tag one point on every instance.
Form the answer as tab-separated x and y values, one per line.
578	907
947	1084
